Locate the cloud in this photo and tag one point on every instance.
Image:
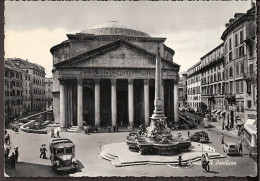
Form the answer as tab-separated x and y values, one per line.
34	45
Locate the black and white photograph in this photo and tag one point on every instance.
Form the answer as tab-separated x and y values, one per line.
130	89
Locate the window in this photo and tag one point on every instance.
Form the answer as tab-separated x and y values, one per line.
231	87
230	72
237	69
241	51
249	87
242	67
230	45
242	86
241	37
249	104
237	86
219	76
251	69
230	56
236	40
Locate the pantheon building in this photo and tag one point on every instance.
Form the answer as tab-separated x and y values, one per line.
105	75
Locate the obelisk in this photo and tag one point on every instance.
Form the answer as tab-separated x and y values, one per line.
158	113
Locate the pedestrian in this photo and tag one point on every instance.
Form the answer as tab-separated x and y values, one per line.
188	133
41	151
52	133
203	162
208	161
16	129
12	159
44	152
8	138
222	138
240	148
16	154
198	121
7	150
58	134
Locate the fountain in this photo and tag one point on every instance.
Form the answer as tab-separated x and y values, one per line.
157	138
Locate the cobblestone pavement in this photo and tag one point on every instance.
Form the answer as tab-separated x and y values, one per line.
92	165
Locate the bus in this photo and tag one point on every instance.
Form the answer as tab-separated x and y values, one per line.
250	137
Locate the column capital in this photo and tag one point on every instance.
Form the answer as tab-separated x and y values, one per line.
113	81
146	81
130	81
97	81
79	81
176	81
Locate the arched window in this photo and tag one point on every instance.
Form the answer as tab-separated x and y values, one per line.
230	72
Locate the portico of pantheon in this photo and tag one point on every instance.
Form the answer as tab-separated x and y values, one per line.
105	75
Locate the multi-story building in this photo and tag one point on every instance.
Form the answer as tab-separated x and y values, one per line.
194	86
212	80
48	92
27	101
183	89
37	78
240	66
13	91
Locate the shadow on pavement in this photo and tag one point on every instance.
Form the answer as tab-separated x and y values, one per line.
23	169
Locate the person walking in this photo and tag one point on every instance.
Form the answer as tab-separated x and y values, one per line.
52	133
44	152
188	134
222	138
16	154
41	151
240	147
203	162
7	150
58	134
208	162
8	139
12	159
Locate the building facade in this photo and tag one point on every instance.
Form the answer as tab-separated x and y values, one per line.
37	78
194	86
48	93
27	95
213	80
105	75
240	66
183	89
13	91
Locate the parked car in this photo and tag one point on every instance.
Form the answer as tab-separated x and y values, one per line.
230	149
62	156
90	129
200	137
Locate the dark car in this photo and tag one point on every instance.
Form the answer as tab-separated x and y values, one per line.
90	129
62	155
200	137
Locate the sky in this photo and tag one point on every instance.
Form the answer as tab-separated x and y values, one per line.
192	29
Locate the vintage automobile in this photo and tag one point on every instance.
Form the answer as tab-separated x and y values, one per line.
230	149
201	137
90	129
62	156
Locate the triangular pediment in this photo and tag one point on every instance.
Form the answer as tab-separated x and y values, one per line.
118	54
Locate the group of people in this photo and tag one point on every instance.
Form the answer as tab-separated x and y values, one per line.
53	134
15	154
43	151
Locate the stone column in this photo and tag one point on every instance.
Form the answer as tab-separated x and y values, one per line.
146	102
62	105
130	103
176	102
97	102
80	104
113	102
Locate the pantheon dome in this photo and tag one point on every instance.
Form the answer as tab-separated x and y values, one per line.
114	28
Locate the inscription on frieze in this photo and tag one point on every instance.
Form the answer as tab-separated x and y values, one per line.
119	72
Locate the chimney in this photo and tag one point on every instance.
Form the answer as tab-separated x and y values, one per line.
252	4
227	25
238	15
231	21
